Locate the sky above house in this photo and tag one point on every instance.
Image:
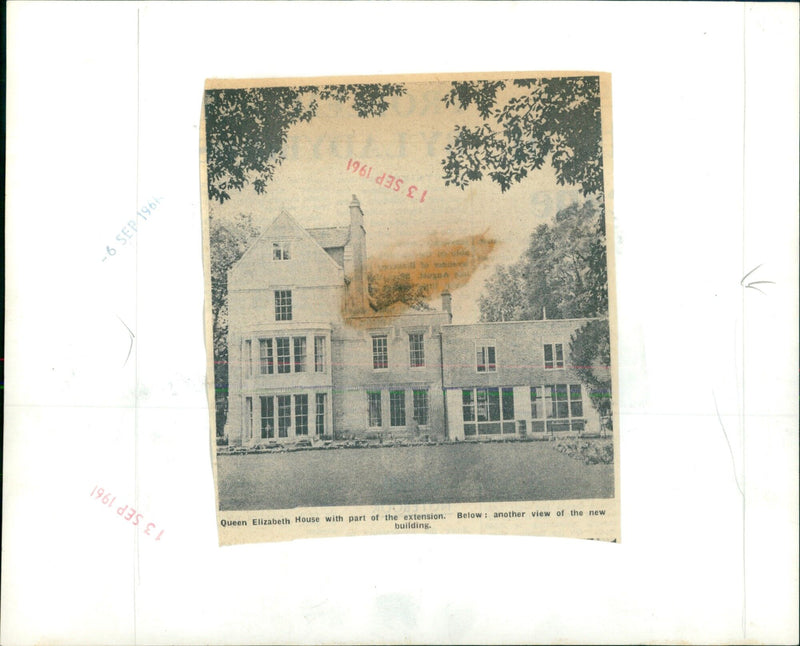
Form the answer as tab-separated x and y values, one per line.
408	142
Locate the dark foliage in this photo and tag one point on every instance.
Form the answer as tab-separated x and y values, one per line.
590	354
555	273
385	291
229	239
548	118
247	129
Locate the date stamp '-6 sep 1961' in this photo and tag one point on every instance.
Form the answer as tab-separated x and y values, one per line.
105	498
129	230
389	182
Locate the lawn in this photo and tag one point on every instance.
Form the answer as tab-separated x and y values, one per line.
469	472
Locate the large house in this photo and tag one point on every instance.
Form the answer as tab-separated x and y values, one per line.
309	359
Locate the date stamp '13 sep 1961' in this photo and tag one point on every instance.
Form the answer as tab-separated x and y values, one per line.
125	512
389	182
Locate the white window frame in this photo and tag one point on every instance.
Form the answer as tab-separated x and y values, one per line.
301	415
286	364
554	346
483	346
421	350
320	365
281	250
370	398
426	399
282	308
299	366
401	409
248	411
281	418
320	406
385	339
545	404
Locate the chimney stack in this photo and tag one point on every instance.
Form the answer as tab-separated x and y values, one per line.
355	260
447	302
356	214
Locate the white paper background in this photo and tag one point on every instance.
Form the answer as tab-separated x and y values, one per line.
705	114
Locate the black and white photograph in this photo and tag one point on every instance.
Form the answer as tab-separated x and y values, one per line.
401	322
408	284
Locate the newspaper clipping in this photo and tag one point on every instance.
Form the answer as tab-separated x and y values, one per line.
410	307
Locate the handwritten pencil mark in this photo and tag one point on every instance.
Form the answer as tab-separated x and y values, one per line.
728	442
751	284
133	336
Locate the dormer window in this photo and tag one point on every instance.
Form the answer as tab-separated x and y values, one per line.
281	250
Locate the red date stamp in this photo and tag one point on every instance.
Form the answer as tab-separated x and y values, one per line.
127	514
385	180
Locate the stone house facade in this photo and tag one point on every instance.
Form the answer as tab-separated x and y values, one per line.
308	358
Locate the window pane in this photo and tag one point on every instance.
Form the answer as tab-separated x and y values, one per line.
508	403
494	404
421	407
469	429
248	422
299	354
416	345
535	397
284	415
301	414
319	354
468	405
481	359
560	405
267	417
320	414
575	401
558	425
374	404
559	356
280	250
265	356
482	399
548	355
397	407
492	428
492	365
284	355
283	305
380	353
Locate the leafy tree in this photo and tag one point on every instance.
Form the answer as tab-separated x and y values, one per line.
590	354
386	290
229	239
553	274
544	118
246	129
524	124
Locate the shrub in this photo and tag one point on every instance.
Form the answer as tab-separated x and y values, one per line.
588	451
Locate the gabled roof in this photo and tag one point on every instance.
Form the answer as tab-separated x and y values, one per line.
330	237
286	217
